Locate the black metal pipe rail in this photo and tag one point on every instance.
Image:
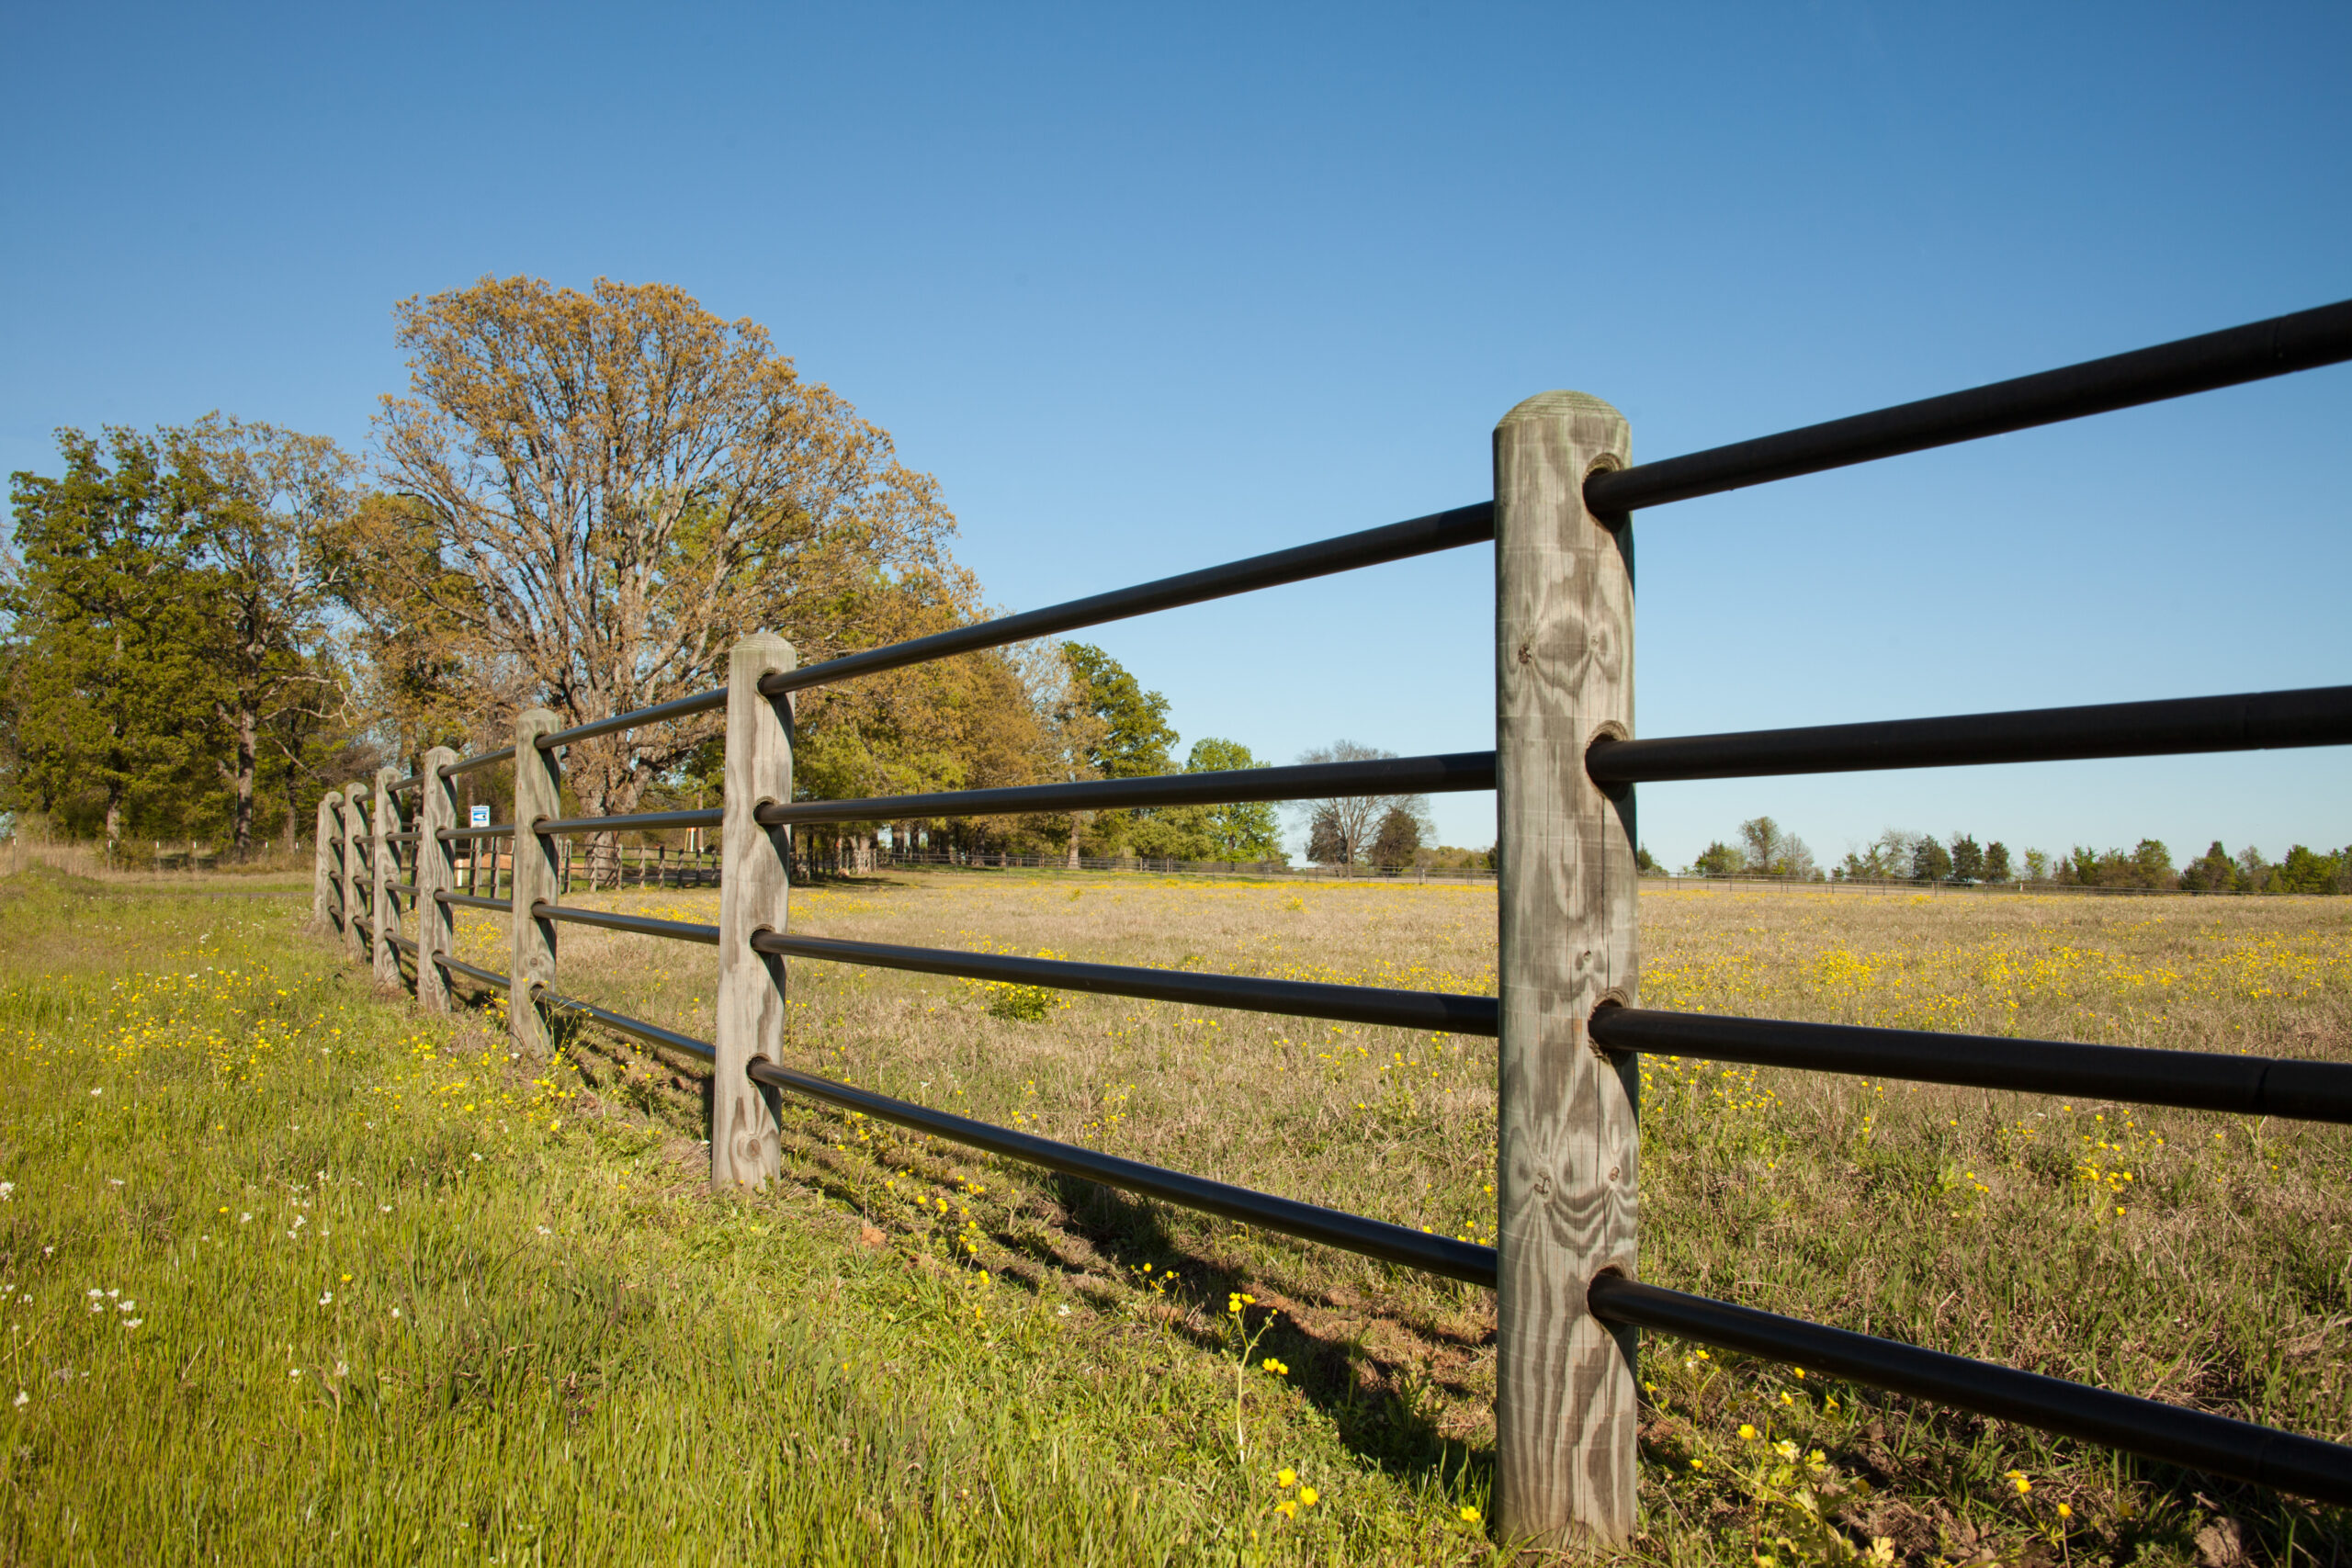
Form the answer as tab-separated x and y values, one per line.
487	977
2216	1444
467	901
633	822
2304	341
676	930
2246	721
2197	1080
402	786
1449	773
410	837
1396	541
1445	773
653	1033
364	923
1434	1011
1332	1227
407	888
502	830
468	764
401	942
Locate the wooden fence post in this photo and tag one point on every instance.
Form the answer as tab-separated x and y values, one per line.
383	862
354	835
539	795
436	873
754	890
1565	1402
326	904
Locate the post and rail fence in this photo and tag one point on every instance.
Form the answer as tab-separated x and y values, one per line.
1567	1016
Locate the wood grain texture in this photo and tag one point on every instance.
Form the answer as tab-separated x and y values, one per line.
326	899
754	894
437	871
1564	1406
355	868
538	796
383	866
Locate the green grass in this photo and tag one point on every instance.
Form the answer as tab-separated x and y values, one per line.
904	1353
546	1343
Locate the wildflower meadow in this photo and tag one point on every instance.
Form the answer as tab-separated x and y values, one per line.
292	1268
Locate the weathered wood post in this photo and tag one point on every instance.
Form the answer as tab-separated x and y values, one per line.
436	873
1565	1411
355	839
383	863
538	796
326	902
755	888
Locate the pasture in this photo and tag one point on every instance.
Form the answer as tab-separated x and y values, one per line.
400	1296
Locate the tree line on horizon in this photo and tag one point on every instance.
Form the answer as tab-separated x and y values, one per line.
1761	847
582	501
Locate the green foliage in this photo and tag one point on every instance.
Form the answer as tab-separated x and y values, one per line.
1246	831
1996	862
1399	841
2213	872
1136	735
1967	859
1719	859
104	641
1930	861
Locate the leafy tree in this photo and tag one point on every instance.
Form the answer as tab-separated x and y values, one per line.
1996	862
109	683
2037	865
1930	861
1135	736
1967	859
1644	864
1719	859
603	491
273	502
2213	872
1250	830
1327	842
2309	871
1397	843
1127	736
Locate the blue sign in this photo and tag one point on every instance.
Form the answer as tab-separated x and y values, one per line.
482	817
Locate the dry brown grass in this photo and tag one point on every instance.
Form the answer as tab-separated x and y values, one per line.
2180	1254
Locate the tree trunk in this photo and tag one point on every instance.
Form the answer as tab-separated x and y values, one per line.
1075	817
248	755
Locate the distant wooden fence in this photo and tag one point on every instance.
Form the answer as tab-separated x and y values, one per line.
1566	1019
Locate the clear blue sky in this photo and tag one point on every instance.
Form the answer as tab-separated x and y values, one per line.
1150	290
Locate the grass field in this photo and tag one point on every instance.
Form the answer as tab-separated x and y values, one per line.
483	1311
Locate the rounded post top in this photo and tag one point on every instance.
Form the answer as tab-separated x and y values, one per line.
1547	406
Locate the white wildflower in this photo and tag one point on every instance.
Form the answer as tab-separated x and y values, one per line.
22	1399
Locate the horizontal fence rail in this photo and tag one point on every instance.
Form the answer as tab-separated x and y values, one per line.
2132	1075
1433	1011
1452	530
485	759
1351	1233
2304	341
2252	721
474	972
1442	775
653	1034
2239	1450
1568	898
675	931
